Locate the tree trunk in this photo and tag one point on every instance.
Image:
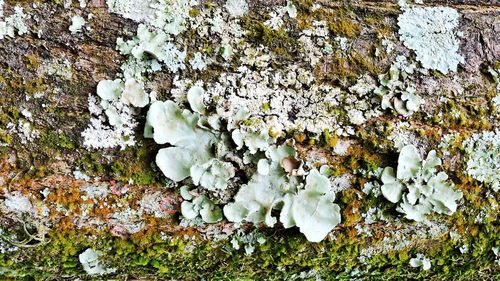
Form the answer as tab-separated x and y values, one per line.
119	202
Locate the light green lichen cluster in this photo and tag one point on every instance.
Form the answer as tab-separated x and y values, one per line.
200	206
117	99
483	162
91	264
13	23
396	91
191	153
149	51
310	207
225	123
77	22
199	151
418	184
207	149
249	241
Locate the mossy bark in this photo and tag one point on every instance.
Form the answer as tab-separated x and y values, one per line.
66	68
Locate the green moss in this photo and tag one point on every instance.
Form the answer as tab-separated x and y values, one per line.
304	6
330	140
279	41
363	63
90	163
266	106
145	178
194	12
37	172
13	112
146	255
348	67
118	168
133	163
376	137
436	73
340	22
450	105
5	138
344	26
56	140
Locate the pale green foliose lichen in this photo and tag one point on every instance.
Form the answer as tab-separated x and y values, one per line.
396	91
117	132
418	184
421	261
213	174
13	23
151	48
313	210
255	200
167	123
191	154
254	141
195	99
91	264
134	94
308	207
117	97
483	162
109	89
200	206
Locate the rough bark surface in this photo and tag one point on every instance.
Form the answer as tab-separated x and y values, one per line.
66	69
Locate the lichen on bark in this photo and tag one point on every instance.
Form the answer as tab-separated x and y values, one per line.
307	77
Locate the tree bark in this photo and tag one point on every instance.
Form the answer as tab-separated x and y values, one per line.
51	73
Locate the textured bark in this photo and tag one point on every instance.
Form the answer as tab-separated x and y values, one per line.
62	114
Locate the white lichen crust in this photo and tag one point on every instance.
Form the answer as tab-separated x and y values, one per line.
430	32
77	22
